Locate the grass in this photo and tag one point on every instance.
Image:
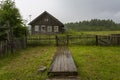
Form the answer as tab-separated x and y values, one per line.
101	32
92	32
24	65
93	63
71	32
97	63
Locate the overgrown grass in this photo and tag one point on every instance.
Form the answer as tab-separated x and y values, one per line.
24	64
97	63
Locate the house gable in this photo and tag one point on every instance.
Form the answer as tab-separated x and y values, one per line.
47	20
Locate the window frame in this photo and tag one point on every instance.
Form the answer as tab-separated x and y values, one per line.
43	28
49	28
36	28
56	28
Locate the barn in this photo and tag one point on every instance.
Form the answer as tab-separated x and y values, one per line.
46	23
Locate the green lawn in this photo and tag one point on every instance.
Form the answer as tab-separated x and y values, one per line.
97	63
24	65
93	63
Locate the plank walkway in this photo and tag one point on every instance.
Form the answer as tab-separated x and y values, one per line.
63	79
63	64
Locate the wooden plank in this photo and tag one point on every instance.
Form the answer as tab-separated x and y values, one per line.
63	63
63	79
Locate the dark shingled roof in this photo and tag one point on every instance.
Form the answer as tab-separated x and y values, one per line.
45	12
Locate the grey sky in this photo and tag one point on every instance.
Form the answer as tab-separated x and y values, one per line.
71	10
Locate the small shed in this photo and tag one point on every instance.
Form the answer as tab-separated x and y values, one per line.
46	23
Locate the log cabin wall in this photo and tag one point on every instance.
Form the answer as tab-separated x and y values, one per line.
46	23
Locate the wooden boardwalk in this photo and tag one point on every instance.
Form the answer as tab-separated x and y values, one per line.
63	79
63	64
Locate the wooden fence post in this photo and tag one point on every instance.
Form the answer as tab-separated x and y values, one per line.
67	40
56	37
0	48
118	40
96	39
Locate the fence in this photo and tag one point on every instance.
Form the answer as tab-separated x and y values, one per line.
113	39
18	44
76	40
41	41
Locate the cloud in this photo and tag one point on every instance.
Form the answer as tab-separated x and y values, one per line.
72	10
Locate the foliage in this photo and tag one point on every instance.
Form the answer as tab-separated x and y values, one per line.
20	31
9	15
93	25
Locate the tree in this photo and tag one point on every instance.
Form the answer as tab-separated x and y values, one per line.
9	13
93	25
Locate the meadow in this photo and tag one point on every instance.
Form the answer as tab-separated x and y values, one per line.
93	62
93	32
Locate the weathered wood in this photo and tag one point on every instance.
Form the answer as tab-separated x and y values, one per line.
46	24
19	44
96	39
56	37
104	40
63	78
67	39
63	63
80	39
115	39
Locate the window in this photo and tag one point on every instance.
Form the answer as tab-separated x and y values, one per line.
56	28
37	28
49	28
43	28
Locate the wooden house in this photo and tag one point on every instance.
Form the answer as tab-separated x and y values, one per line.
46	23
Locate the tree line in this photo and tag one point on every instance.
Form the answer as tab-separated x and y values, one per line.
93	25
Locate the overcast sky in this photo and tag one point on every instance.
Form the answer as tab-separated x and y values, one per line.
71	10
